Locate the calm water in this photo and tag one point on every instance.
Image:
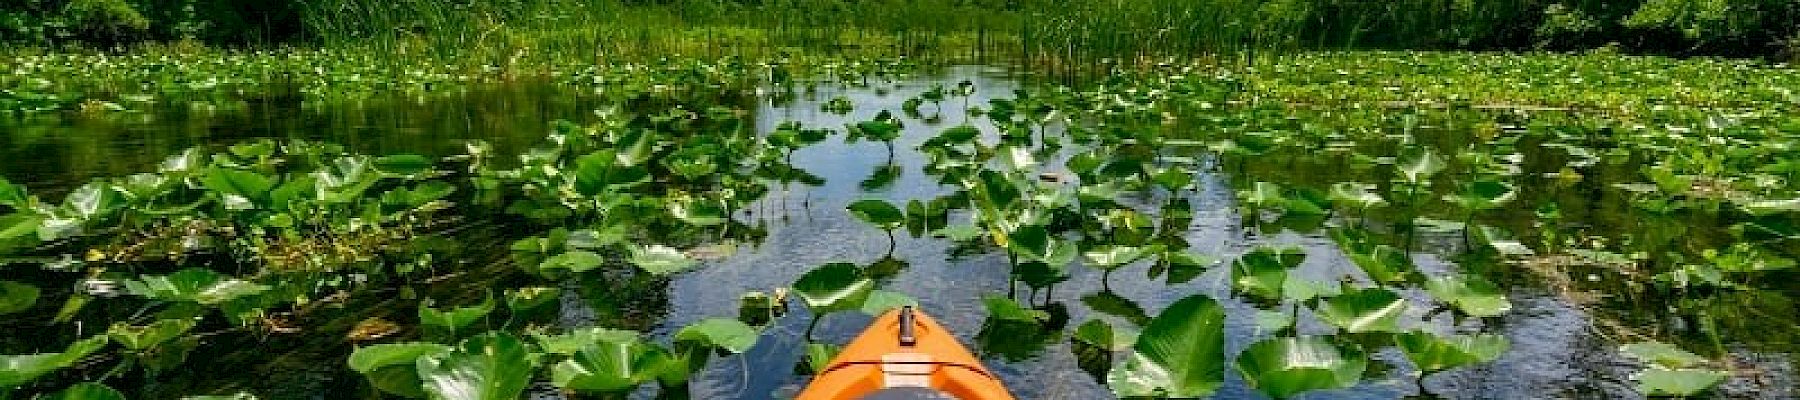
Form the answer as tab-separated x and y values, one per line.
1555	351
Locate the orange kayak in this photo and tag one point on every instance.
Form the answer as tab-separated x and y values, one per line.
905	355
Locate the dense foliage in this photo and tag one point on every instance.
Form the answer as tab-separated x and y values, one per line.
1026	28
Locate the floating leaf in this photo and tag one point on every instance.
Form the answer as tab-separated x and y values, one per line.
833	287
92	200
1383	263
12	195
1359	195
1113	257
21	369
1483	195
1109	303
249	185
1472	295
881	301
393	368
492	366
1662	354
614	364
198	285
601	171
724	333
878	213
1181	353
575	340
1004	309
86	391
819	355
661	260
1677	382
1263	271
1431	353
1364	311
1098	333
1286	367
1417	164
139	338
457	318
574	261
404	164
16	297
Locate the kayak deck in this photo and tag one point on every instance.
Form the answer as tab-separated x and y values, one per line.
902	352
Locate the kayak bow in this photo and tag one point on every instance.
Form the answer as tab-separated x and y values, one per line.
904	355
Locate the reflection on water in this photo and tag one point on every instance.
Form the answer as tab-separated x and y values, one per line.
1554	351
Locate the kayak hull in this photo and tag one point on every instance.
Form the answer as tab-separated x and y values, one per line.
878	359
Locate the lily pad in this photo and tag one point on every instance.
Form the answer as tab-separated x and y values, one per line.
1262	272
1286	367
16	297
1662	354
21	369
1004	309
1677	382
196	284
881	301
614	364
86	391
660	260
1364	311
1469	294
878	213
1431	353
1180	353
393	367
492	366
724	333
833	287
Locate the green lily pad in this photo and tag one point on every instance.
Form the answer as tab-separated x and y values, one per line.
1262	272
878	213
18	370
1677	382
1004	309
16	297
661	260
833	287
197	285
1286	367
614	364
456	319
1180	353
1431	353
1113	257
139	338
492	366
86	391
573	261
881	301
1364	311
393	367
1662	354
1417	164
724	333
1469	294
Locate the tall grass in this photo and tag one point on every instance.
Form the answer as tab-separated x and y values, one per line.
1063	36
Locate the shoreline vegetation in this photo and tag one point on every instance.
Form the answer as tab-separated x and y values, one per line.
1637	160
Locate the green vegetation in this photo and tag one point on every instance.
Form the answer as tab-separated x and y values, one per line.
1315	196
